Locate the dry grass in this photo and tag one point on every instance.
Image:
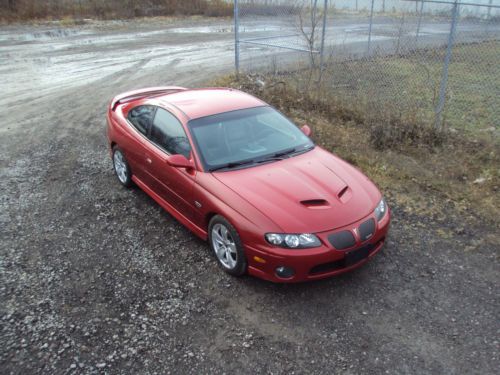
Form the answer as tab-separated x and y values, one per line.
24	10
422	170
408	85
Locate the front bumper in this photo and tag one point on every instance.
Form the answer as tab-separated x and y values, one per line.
317	263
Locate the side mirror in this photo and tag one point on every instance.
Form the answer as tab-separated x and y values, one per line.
179	161
306	130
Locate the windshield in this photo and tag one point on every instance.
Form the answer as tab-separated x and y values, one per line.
245	137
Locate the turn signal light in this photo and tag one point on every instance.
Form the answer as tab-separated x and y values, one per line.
259	259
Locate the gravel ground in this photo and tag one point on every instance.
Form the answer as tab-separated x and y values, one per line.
95	278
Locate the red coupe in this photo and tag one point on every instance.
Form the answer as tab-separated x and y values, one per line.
241	175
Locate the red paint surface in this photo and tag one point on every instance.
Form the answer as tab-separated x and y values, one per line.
256	200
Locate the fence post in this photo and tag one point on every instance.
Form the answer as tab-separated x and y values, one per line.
419	20
236	38
447	59
370	29
322	50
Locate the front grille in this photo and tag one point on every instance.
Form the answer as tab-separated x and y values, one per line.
367	229
342	240
341	263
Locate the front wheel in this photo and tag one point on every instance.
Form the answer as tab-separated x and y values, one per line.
226	245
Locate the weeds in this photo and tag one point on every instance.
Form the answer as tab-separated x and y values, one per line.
396	133
385	128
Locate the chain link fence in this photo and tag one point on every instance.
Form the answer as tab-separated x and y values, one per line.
274	34
435	59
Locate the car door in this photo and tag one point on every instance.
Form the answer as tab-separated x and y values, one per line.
175	185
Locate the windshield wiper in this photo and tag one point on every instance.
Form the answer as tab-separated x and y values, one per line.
246	162
285	152
274	157
304	150
232	165
289	152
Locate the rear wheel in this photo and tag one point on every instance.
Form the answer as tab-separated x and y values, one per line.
226	245
121	167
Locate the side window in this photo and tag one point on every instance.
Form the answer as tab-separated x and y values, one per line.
142	117
168	133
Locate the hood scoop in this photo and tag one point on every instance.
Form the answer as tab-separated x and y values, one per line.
315	203
342	191
344	194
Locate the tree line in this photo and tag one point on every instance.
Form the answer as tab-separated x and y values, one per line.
110	9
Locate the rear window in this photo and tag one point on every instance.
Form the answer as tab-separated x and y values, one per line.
142	117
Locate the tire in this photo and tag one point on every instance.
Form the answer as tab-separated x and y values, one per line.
226	246
121	167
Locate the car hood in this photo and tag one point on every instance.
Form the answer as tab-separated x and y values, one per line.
308	193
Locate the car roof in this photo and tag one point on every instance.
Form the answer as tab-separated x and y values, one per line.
198	103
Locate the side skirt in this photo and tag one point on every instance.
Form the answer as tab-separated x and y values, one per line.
200	232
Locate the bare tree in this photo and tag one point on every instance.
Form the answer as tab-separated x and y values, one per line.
12	5
308	32
309	17
400	35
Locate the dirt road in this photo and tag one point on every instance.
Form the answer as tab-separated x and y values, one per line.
95	278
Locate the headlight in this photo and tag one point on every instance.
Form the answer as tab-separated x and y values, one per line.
381	209
293	241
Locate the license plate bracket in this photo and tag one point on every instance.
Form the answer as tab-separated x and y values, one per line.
354	256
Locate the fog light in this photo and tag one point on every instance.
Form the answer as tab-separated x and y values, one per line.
285	272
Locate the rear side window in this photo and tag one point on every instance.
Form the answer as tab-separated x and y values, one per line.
142	117
168	133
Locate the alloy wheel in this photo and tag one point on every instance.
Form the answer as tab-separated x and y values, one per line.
224	246
120	166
